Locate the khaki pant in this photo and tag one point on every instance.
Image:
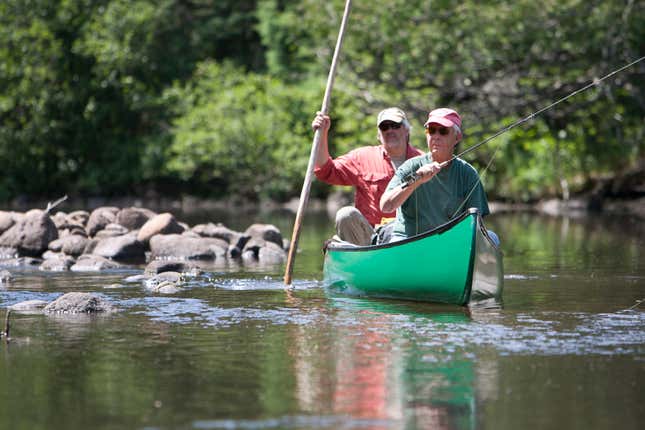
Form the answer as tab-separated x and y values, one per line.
353	227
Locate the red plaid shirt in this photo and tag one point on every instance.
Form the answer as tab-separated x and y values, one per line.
369	169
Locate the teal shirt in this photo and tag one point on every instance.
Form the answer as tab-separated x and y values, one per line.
438	200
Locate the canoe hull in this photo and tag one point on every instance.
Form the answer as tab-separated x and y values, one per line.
455	263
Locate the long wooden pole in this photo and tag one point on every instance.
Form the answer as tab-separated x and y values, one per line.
304	194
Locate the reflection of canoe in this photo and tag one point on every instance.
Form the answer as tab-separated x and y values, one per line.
455	263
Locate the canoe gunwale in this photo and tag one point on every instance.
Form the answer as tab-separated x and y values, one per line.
438	230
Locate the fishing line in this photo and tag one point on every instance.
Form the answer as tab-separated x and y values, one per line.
593	83
412	178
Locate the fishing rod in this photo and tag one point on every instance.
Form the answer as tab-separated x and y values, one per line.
413	178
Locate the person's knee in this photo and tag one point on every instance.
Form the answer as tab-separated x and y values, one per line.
351	226
347	213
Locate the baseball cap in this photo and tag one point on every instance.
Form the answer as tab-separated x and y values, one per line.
391	114
444	116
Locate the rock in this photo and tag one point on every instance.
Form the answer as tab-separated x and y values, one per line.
8	252
111	230
91	244
165	283
219	231
78	217
160	266
60	264
79	303
100	218
135	278
71	245
165	276
93	263
122	248
164	223
189	233
166	288
29	306
267	232
189	248
48	255
22	262
71	229
254	244
5	276
7	219
31	235
59	219
235	239
272	254
134	218
249	256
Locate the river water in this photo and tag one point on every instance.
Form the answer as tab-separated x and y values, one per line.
234	350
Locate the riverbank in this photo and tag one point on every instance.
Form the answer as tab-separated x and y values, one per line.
622	194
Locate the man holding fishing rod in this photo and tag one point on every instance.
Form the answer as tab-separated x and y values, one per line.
368	168
428	190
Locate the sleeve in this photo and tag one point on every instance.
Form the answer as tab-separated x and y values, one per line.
401	173
339	171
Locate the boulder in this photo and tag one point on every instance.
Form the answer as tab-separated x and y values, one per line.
69	229
271	254
135	279
166	287
111	230
188	248
78	217
71	245
124	248
160	266
162	224
22	262
57	264
235	239
93	263
165	283
31	235
175	277
267	232
91	244
134	218
79	303
7	219
29	306
8	252
100	218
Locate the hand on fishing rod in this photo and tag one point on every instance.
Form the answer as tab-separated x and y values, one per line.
322	122
428	171
425	173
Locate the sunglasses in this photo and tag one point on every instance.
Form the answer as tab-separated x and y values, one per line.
431	129
389	125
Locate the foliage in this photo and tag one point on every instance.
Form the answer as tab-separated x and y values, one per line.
102	96
240	132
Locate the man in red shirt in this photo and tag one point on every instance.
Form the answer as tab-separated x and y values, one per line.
368	168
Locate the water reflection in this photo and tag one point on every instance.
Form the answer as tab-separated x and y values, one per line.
238	350
380	369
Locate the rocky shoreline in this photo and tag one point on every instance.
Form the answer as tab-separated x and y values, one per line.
110	237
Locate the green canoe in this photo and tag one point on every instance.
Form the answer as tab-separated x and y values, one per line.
455	263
